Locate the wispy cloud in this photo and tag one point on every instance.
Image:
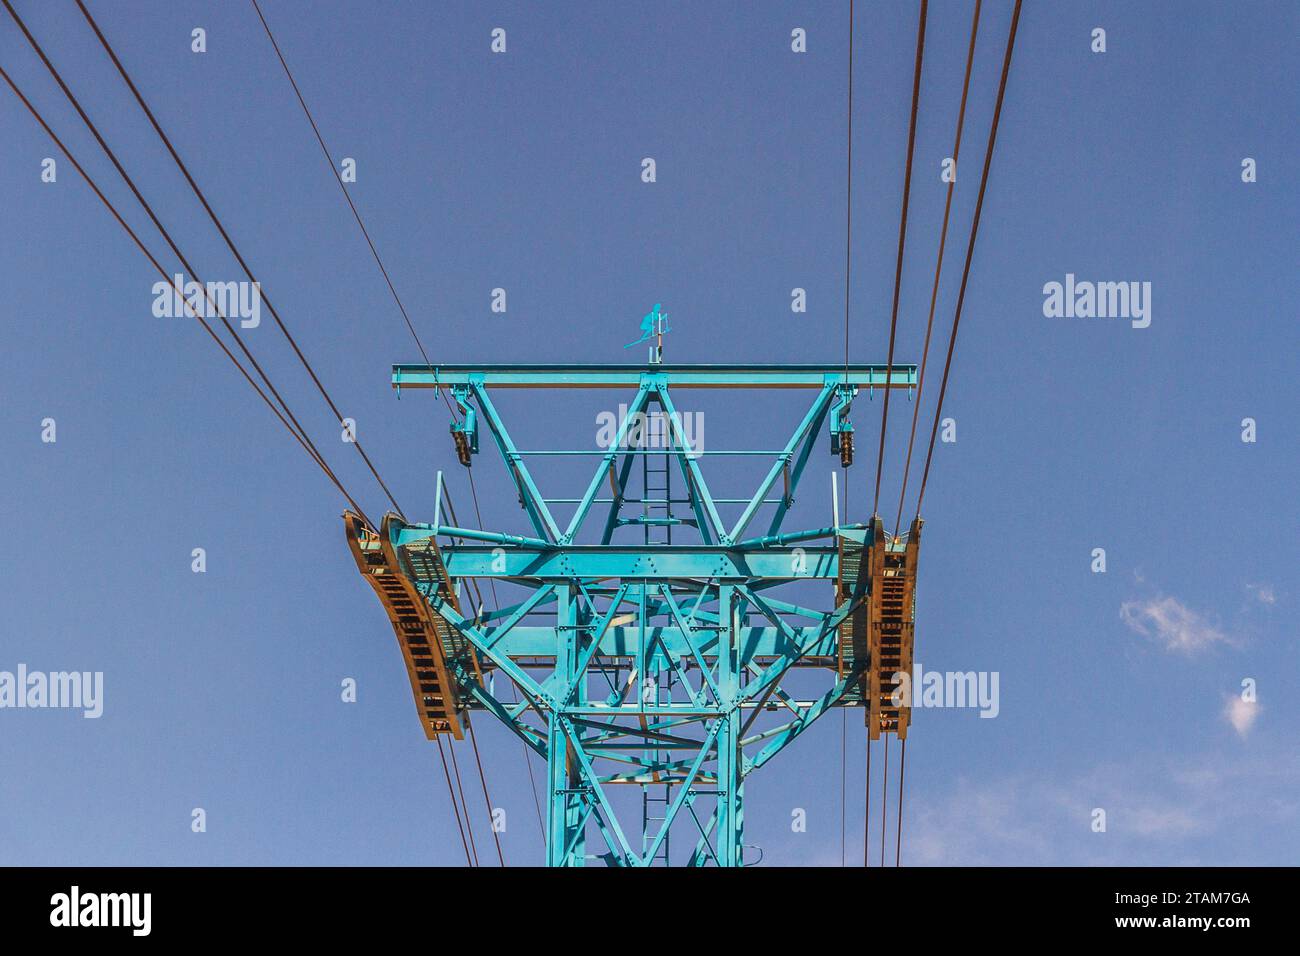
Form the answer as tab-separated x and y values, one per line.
1171	623
1165	821
1242	714
1214	809
1263	593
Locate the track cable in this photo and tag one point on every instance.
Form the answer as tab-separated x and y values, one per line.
454	804
970	246
216	221
144	203
938	264
392	288
329	161
844	478
320	462
902	243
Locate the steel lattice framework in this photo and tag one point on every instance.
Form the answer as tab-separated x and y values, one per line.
659	665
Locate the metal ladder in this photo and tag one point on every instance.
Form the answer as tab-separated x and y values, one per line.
656	495
656	504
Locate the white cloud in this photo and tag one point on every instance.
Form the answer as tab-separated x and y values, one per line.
1210	809
983	824
1164	821
1263	593
1240	713
1167	620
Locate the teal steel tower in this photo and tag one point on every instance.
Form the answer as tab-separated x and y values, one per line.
656	655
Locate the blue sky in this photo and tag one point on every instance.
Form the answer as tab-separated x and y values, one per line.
521	171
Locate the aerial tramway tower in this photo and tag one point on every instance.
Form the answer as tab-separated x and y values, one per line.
651	647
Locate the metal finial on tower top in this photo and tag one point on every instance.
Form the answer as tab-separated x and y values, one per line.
653	326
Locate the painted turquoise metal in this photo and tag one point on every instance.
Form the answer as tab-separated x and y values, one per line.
624	376
657	659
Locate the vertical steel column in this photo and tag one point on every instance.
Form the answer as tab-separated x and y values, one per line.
643	662
565	846
728	739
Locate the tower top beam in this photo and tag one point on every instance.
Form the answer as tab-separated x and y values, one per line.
678	376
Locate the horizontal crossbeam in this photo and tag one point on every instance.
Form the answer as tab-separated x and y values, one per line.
754	642
640	563
631	376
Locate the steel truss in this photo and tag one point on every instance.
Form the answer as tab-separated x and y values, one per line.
650	664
